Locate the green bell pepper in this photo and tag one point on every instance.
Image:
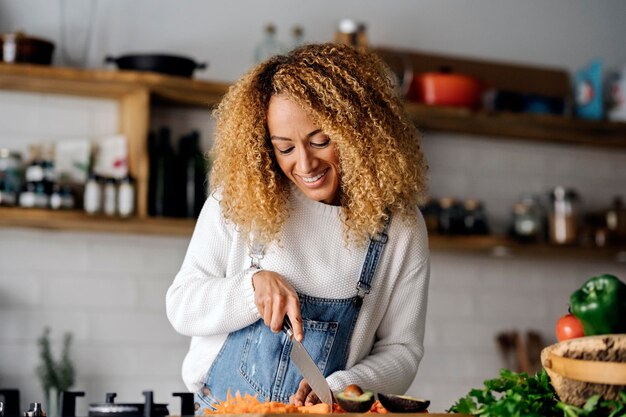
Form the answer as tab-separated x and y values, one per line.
600	304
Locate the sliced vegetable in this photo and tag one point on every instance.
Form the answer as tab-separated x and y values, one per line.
403	403
354	400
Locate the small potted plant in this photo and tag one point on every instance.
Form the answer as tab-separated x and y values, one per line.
55	376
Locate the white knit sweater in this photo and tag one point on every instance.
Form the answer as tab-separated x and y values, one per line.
212	294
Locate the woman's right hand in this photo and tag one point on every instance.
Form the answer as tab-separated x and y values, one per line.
274	298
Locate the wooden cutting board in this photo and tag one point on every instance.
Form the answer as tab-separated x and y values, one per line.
351	415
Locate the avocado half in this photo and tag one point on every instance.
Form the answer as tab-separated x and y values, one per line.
355	400
402	403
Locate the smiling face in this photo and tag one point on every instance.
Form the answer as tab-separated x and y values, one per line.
304	153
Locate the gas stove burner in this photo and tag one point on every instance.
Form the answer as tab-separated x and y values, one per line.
112	409
148	409
10	402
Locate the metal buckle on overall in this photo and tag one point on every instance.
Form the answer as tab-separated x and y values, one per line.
381	237
255	261
256	254
361	292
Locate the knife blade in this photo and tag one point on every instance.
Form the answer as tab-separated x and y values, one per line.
307	367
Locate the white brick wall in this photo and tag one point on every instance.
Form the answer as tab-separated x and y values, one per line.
108	290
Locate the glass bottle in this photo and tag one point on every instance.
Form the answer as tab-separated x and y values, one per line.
193	170
126	197
56	200
269	45
27	196
92	200
11	177
297	36
564	216
162	199
109	197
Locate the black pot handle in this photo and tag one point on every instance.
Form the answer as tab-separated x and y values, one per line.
110	59
201	65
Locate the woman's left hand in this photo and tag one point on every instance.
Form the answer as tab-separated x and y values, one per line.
304	395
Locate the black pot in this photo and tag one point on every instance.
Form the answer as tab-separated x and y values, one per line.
20	48
126	410
164	64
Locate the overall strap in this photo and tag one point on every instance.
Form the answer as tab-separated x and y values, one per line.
374	250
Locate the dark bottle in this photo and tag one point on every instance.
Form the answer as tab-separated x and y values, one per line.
451	217
193	175
161	187
475	221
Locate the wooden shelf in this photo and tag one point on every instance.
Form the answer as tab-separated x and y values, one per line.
112	84
74	220
502	246
135	91
536	128
498	246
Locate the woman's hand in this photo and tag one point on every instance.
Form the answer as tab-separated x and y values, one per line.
304	395
275	298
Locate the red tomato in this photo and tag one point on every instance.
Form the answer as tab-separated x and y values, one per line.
569	327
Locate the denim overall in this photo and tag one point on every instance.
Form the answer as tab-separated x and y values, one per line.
254	360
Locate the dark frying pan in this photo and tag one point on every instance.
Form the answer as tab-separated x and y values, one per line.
161	63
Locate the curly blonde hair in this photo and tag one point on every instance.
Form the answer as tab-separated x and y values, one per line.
350	96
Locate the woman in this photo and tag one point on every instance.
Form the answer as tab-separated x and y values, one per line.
317	176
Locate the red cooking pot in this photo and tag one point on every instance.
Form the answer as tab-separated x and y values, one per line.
446	89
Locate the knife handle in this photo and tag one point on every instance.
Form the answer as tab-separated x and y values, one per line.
287	327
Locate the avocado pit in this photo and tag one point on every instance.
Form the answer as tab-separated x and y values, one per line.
353	399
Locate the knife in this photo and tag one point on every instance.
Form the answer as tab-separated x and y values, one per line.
309	370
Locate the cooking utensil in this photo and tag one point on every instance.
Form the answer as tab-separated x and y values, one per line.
110	408
309	370
446	89
161	63
18	47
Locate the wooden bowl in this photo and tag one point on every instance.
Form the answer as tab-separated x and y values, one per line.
582	367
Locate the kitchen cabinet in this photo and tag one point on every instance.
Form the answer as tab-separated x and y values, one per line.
137	92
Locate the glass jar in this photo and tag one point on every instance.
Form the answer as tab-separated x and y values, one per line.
528	219
451	217
475	218
616	220
564	216
11	177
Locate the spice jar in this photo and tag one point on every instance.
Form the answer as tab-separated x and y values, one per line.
616	220
564	216
528	220
353	33
451	216
475	218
